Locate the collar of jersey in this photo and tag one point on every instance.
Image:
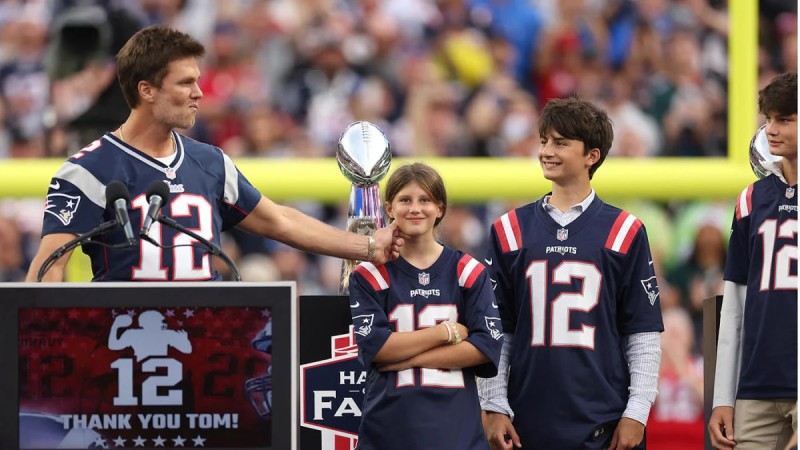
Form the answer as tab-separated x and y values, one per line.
582	206
576	225
433	270
781	183
144	157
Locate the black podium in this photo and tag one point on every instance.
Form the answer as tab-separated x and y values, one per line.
149	365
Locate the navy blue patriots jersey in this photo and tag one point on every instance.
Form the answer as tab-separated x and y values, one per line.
423	408
762	254
569	295
208	196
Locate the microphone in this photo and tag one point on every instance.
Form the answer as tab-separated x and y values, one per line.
117	195
157	195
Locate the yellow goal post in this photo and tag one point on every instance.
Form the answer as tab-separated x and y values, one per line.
476	180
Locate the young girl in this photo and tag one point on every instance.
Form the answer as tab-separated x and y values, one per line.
425	325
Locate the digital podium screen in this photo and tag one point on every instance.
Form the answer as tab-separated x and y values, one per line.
181	367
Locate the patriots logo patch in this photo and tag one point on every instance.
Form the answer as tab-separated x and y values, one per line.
491	325
62	206
651	288
363	324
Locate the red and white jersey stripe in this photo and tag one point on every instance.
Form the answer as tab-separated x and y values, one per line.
468	271
622	232
744	203
332	440
377	276
507	229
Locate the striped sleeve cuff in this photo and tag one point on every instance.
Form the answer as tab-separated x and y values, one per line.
493	392
643	351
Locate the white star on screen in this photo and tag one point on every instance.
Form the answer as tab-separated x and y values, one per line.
169	313
265	312
158	442
119	442
100	442
70	203
139	442
188	313
178	441
199	441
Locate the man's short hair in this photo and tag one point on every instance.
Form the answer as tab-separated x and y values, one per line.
779	96
146	57
581	120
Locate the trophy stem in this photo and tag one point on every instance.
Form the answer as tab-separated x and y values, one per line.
364	216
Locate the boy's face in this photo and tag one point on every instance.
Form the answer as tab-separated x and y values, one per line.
782	135
563	160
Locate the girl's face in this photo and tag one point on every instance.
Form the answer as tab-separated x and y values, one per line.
414	210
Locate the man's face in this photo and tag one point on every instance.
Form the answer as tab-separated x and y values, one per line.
563	160
177	100
782	135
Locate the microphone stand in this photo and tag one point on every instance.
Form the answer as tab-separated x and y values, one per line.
210	246
48	263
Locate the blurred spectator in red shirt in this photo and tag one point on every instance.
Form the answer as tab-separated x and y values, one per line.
677	421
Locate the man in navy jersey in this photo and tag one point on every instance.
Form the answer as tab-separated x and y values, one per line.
158	72
755	385
579	304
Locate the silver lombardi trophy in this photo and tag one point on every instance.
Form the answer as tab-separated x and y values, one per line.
762	161
364	158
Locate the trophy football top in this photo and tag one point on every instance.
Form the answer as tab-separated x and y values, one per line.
762	161
363	155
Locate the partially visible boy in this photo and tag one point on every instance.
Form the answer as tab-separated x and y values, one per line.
755	385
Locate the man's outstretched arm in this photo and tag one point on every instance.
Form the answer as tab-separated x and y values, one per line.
48	245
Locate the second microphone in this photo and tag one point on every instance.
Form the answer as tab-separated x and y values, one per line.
157	195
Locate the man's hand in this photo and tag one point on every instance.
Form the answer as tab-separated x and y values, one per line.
497	426
720	427
388	241
629	434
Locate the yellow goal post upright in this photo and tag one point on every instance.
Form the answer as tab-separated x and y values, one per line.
478	180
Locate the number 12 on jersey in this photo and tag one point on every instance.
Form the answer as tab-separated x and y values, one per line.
430	316
770	231
152	262
560	333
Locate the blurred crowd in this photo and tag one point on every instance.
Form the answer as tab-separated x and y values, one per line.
467	78
440	77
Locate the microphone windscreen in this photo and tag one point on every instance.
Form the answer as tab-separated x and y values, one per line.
158	188
116	190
